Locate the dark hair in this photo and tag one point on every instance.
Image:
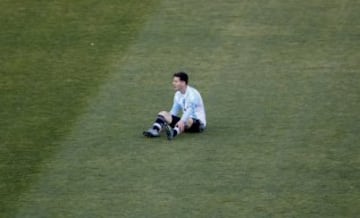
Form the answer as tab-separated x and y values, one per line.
182	76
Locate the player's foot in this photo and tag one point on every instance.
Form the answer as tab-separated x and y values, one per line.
151	133
169	132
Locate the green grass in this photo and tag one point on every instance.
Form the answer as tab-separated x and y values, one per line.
49	69
280	80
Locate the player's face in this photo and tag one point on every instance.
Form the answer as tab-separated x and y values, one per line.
178	84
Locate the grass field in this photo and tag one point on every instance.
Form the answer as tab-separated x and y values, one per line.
80	81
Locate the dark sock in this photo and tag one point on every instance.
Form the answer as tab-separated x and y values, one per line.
156	128
159	123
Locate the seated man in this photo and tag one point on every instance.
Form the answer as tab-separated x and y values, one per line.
187	100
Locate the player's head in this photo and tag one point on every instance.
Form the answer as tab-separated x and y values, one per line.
180	81
182	77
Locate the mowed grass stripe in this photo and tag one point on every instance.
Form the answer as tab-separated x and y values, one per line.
53	57
276	120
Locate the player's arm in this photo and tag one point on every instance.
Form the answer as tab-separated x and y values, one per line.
188	111
175	109
190	108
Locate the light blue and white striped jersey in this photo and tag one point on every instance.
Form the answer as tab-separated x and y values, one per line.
190	104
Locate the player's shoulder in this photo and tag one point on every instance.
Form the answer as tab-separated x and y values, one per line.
177	95
193	91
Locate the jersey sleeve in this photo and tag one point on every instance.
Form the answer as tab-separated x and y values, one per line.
188	111
175	109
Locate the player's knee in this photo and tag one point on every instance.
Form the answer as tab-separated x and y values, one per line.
163	113
166	115
189	123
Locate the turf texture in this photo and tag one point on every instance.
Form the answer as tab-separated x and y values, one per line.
81	80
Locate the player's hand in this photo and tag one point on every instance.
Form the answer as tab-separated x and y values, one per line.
181	125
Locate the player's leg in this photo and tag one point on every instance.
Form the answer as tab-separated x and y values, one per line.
171	129
168	118
190	126
195	126
161	120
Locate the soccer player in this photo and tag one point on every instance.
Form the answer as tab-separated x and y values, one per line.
188	101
